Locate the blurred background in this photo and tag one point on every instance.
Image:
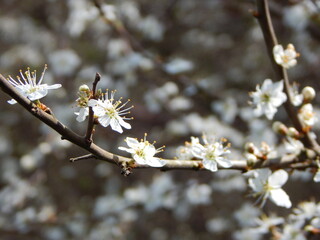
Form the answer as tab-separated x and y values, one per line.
187	67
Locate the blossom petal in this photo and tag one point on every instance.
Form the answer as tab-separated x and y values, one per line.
224	162
82	114
123	123
198	150
54	86
278	178
104	121
210	165
155	162
12	101
129	150
115	125
92	102
280	198
316	177
132	142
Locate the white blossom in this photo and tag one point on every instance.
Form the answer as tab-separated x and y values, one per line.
178	65
307	115
64	62
185	152
109	12
212	154
82	114
296	98
267	222
29	87
268	185
268	98
82	102
286	58
109	112
293	146
143	152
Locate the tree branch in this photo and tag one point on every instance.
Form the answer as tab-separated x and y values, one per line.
263	16
101	154
90	127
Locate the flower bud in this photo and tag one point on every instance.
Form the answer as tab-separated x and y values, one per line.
280	128
84	88
292	132
308	94
251	160
250	147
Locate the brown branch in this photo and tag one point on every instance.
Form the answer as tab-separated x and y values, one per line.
263	16
101	154
90	126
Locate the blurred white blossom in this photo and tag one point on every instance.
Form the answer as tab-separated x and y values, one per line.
286	58
64	62
178	65
268	185
268	98
307	115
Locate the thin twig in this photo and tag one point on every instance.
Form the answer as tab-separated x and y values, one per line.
90	126
84	157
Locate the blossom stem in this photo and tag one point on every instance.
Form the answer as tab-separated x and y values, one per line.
88	136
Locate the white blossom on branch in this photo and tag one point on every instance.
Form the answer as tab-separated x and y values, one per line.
307	115
29	87
268	98
212	153
82	102
109	112
285	57
143	152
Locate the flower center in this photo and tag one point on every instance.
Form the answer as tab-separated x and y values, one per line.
265	97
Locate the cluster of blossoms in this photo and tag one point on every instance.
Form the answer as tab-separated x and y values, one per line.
106	110
28	86
302	224
271	96
212	153
253	153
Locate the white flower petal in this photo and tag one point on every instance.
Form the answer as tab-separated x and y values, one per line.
155	162
278	178
54	86
280	198
104	121
92	102
115	125
210	165
132	142
12	101
224	162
